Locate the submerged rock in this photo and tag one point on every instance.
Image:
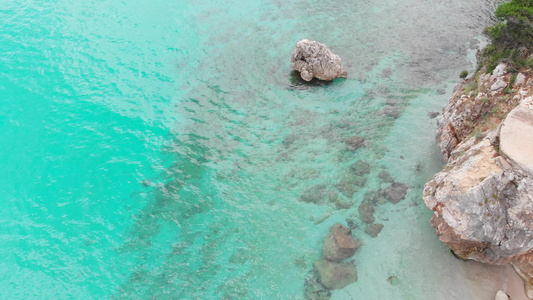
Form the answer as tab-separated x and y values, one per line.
334	275
314	59
322	218
393	112
318	194
385	177
373	229
289	140
359	180
354	142
346	187
339	244
347	184
393	280
353	179
343	203
314	289
375	197
366	212
300	262
396	192
433	115
361	168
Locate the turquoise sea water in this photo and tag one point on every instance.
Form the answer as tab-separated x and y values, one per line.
160	150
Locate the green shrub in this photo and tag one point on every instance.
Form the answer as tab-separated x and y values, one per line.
471	86
529	63
512	80
463	74
518	9
495	31
513	32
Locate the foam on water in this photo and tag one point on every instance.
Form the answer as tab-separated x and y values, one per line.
161	150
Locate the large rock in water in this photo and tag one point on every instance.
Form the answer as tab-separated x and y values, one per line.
313	59
483	199
339	244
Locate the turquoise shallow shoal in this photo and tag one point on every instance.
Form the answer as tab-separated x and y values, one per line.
162	150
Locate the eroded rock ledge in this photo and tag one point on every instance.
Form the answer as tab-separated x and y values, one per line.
483	199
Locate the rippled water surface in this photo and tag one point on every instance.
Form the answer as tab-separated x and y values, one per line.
164	150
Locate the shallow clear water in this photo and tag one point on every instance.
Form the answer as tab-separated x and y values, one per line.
160	150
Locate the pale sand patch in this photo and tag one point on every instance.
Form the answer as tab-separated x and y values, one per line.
484	281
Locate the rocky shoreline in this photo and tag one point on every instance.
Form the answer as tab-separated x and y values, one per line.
483	198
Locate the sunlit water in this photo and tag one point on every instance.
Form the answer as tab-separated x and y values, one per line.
161	150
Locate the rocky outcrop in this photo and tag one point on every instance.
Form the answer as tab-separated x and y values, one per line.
478	104
339	244
314	59
484	207
483	199
334	275
330	273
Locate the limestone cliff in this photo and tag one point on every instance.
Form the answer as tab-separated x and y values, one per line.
483	199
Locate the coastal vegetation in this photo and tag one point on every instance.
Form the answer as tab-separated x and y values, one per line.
511	37
511	44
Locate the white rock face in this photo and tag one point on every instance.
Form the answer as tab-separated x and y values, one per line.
482	206
498	86
520	79
516	137
500	70
314	59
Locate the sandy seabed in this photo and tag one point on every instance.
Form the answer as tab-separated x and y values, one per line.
485	280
